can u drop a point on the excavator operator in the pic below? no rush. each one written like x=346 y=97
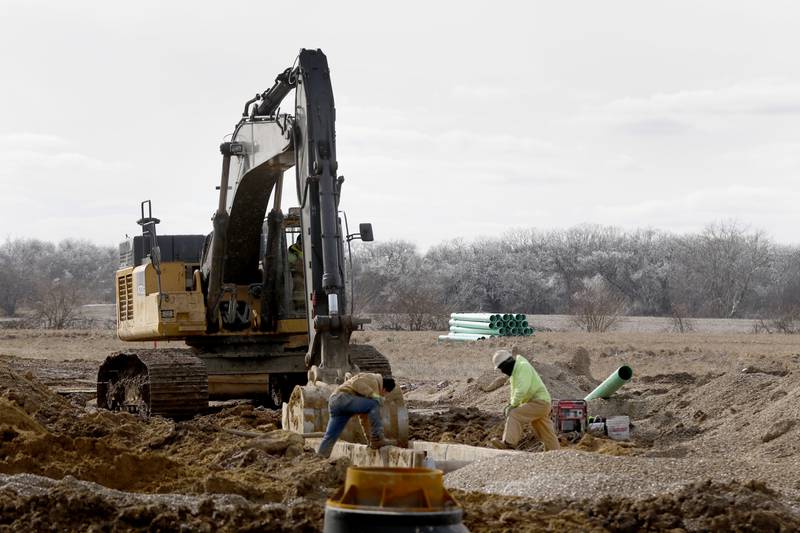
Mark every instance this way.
x=296 y=251
x=296 y=268
x=362 y=394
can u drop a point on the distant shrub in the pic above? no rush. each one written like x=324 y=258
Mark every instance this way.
x=597 y=307
x=681 y=322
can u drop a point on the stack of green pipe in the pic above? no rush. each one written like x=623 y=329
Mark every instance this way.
x=490 y=324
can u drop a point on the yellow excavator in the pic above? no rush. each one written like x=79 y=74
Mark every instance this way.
x=260 y=302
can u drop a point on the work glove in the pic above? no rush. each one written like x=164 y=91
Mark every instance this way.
x=378 y=399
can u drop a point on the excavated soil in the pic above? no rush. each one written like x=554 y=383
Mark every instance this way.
x=33 y=503
x=715 y=440
x=701 y=506
x=43 y=434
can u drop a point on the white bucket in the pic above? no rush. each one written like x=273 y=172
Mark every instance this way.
x=597 y=428
x=619 y=427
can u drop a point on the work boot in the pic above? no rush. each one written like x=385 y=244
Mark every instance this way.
x=500 y=444
x=377 y=444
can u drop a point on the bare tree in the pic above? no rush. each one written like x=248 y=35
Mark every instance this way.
x=58 y=303
x=417 y=300
x=721 y=267
x=21 y=267
x=681 y=323
x=597 y=307
x=567 y=253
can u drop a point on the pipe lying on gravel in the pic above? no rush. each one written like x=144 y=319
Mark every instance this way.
x=463 y=337
x=617 y=379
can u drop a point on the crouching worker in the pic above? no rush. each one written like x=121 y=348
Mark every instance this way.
x=361 y=394
x=529 y=404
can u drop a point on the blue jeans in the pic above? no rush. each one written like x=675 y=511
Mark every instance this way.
x=342 y=407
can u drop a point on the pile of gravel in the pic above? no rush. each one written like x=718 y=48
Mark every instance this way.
x=576 y=475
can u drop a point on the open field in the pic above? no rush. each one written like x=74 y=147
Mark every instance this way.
x=716 y=437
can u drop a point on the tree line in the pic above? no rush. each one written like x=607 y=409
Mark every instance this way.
x=725 y=271
x=47 y=282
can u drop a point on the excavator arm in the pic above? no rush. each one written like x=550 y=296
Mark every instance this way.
x=263 y=146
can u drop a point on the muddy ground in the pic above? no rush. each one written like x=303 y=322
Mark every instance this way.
x=715 y=440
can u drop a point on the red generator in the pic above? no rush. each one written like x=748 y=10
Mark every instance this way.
x=569 y=415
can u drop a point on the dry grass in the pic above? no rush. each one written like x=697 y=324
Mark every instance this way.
x=418 y=355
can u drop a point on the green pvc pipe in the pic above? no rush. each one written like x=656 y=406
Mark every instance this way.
x=487 y=331
x=508 y=316
x=617 y=379
x=519 y=317
x=522 y=324
x=471 y=324
x=476 y=317
x=528 y=332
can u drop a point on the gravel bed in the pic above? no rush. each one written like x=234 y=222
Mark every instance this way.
x=577 y=475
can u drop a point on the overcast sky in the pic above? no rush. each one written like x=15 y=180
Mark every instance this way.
x=453 y=120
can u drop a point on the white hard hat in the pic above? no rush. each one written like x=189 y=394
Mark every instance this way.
x=500 y=357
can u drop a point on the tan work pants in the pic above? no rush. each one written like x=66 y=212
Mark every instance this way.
x=537 y=413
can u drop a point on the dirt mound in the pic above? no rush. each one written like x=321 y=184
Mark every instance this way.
x=580 y=363
x=239 y=450
x=465 y=426
x=682 y=378
x=33 y=397
x=458 y=424
x=507 y=514
x=591 y=443
x=34 y=503
x=489 y=390
x=753 y=414
x=703 y=506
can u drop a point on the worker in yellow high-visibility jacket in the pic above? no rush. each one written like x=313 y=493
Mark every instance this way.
x=529 y=403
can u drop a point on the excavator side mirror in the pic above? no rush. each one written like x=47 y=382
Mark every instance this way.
x=365 y=230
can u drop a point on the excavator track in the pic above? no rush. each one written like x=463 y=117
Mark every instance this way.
x=368 y=359
x=168 y=383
